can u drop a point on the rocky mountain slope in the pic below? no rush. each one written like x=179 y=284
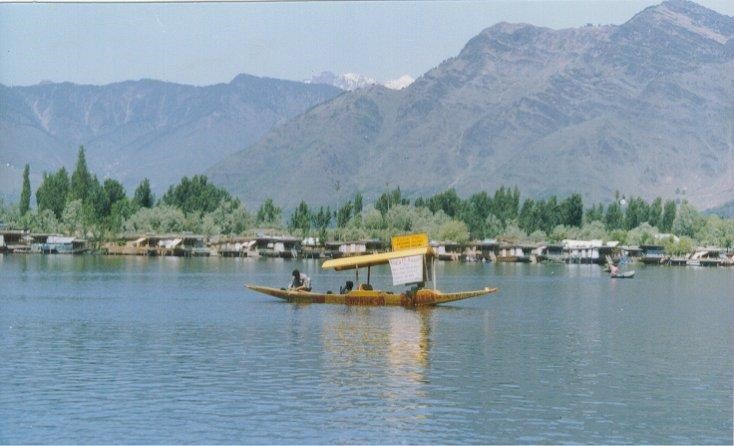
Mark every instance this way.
x=646 y=108
x=146 y=128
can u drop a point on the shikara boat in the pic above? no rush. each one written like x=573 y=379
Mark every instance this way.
x=625 y=275
x=411 y=262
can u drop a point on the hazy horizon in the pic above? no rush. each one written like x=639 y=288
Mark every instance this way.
x=210 y=43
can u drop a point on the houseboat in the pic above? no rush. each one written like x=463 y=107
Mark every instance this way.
x=337 y=249
x=514 y=253
x=448 y=251
x=653 y=255
x=57 y=244
x=278 y=246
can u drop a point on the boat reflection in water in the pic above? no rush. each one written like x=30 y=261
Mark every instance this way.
x=379 y=358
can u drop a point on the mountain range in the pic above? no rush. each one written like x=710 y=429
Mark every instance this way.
x=645 y=108
x=137 y=129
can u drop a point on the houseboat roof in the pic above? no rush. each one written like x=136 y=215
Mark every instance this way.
x=277 y=238
x=353 y=262
x=485 y=242
x=648 y=247
x=355 y=242
x=445 y=243
x=61 y=239
x=139 y=237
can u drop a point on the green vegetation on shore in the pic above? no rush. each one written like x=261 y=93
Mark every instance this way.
x=83 y=206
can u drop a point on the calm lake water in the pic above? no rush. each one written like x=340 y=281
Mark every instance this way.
x=167 y=350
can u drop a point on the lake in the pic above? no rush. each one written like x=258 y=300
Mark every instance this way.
x=97 y=349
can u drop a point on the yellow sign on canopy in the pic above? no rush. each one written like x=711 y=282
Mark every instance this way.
x=401 y=242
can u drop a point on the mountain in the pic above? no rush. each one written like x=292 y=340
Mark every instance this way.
x=646 y=107
x=145 y=128
x=726 y=210
x=353 y=81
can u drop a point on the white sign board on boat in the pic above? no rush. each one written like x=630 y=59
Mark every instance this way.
x=407 y=270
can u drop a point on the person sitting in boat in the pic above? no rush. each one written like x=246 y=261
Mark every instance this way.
x=614 y=269
x=300 y=282
x=347 y=287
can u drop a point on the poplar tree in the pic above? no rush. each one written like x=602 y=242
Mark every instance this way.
x=81 y=179
x=25 y=194
x=669 y=211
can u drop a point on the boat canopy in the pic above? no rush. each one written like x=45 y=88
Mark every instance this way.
x=353 y=262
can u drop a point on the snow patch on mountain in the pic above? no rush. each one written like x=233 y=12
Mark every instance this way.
x=399 y=83
x=353 y=81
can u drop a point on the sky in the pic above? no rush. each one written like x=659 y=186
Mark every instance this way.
x=209 y=43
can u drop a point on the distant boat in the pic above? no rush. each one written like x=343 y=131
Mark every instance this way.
x=411 y=262
x=625 y=275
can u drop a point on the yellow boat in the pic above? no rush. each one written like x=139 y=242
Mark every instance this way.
x=411 y=262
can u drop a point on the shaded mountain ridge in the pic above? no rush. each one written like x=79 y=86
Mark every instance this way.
x=645 y=107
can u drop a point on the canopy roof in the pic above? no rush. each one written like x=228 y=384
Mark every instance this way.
x=353 y=262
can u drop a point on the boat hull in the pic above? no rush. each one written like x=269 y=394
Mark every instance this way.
x=422 y=297
x=627 y=275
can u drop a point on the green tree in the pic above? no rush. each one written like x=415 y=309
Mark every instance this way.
x=344 y=214
x=669 y=211
x=43 y=221
x=506 y=203
x=231 y=217
x=81 y=179
x=614 y=218
x=96 y=205
x=73 y=219
x=143 y=195
x=321 y=220
x=493 y=226
x=688 y=222
x=448 y=201
x=120 y=211
x=268 y=214
x=25 y=194
x=595 y=213
x=683 y=246
x=644 y=234
x=512 y=234
x=373 y=220
x=528 y=218
x=636 y=213
x=301 y=218
x=389 y=199
x=195 y=195
x=549 y=215
x=114 y=192
x=593 y=231
x=560 y=232
x=358 y=203
x=655 y=212
x=53 y=192
x=160 y=219
x=572 y=211
x=474 y=212
x=401 y=218
x=453 y=230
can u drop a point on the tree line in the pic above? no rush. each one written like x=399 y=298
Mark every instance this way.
x=82 y=205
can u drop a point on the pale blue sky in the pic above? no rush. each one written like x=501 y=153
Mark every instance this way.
x=206 y=43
